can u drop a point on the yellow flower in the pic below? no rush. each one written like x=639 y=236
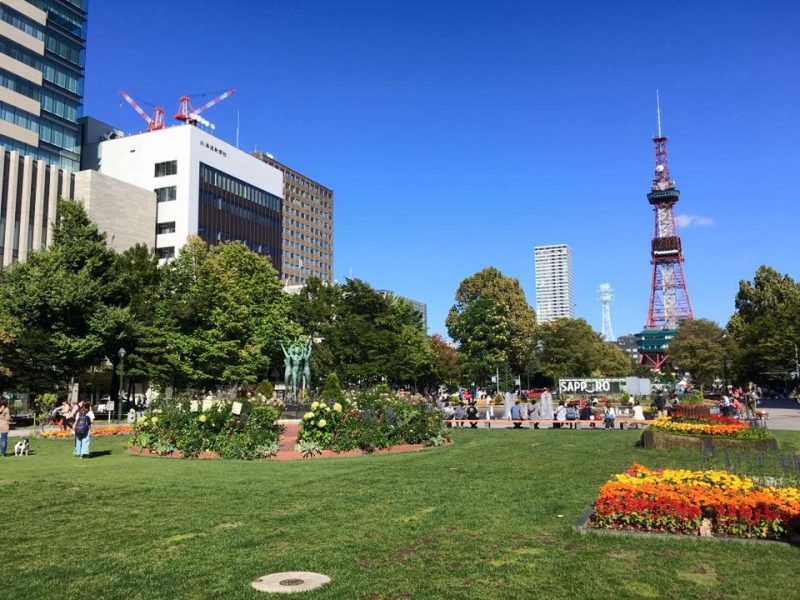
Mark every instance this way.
x=141 y=420
x=337 y=407
x=321 y=423
x=314 y=405
x=308 y=415
x=154 y=420
x=202 y=418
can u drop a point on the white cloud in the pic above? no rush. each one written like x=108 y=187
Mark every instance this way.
x=684 y=221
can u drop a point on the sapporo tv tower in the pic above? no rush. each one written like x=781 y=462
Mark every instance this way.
x=669 y=299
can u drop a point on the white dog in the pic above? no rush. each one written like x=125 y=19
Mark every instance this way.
x=21 y=447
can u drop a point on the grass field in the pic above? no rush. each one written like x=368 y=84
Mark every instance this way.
x=478 y=519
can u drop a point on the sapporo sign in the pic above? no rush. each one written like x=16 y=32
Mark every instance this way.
x=592 y=386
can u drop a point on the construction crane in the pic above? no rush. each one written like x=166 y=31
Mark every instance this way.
x=153 y=123
x=190 y=115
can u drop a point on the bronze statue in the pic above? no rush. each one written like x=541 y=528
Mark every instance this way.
x=296 y=357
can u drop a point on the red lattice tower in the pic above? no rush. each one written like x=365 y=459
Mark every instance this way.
x=669 y=298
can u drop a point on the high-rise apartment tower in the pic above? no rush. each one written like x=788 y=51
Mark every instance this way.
x=553 y=269
x=42 y=45
x=307 y=232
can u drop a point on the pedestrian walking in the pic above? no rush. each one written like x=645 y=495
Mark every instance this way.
x=5 y=425
x=83 y=430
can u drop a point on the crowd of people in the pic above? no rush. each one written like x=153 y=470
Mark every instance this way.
x=517 y=407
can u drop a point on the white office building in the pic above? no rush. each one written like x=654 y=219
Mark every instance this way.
x=203 y=186
x=553 y=270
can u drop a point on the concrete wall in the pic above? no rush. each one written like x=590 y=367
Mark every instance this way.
x=125 y=212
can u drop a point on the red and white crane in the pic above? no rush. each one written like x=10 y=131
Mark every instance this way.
x=153 y=123
x=190 y=115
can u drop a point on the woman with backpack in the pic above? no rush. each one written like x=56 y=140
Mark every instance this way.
x=83 y=429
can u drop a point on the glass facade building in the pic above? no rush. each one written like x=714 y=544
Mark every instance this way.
x=42 y=57
x=230 y=209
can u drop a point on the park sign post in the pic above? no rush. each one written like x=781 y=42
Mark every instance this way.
x=604 y=385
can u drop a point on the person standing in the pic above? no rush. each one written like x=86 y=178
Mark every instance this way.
x=5 y=425
x=83 y=430
x=547 y=404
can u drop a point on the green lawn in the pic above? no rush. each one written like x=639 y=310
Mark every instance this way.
x=477 y=519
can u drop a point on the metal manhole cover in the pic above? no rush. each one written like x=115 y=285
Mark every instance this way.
x=290 y=582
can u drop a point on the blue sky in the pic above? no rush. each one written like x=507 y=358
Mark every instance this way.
x=458 y=135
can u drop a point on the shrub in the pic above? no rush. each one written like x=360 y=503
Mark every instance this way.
x=374 y=419
x=252 y=433
x=265 y=389
x=694 y=399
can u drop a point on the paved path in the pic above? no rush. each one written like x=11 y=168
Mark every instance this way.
x=783 y=414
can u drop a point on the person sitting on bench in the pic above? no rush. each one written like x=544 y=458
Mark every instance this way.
x=516 y=415
x=560 y=416
x=472 y=415
x=586 y=414
x=460 y=414
x=534 y=414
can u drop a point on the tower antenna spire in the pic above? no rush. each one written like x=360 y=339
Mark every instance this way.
x=658 y=112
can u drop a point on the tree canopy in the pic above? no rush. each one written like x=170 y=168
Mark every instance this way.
x=699 y=348
x=492 y=324
x=571 y=348
x=765 y=327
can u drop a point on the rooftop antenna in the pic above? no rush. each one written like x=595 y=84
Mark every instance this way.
x=658 y=112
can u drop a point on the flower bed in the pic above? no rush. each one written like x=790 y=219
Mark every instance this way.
x=374 y=419
x=709 y=425
x=97 y=431
x=241 y=428
x=678 y=501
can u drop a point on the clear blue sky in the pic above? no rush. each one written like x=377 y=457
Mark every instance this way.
x=459 y=135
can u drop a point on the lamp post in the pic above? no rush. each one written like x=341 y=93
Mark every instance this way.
x=724 y=363
x=121 y=375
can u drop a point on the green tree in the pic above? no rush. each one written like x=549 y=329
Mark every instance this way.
x=314 y=309
x=62 y=307
x=699 y=348
x=224 y=313
x=765 y=327
x=571 y=348
x=492 y=324
x=365 y=337
x=446 y=368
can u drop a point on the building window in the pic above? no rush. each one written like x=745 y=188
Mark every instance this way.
x=165 y=228
x=166 y=253
x=166 y=194
x=166 y=168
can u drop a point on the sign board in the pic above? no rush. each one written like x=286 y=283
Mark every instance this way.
x=609 y=385
x=636 y=386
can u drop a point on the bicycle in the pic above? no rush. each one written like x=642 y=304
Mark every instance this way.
x=54 y=423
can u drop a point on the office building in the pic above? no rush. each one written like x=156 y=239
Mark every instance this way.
x=29 y=195
x=307 y=232
x=420 y=307
x=553 y=271
x=203 y=186
x=628 y=344
x=42 y=46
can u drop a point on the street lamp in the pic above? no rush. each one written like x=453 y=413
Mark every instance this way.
x=121 y=375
